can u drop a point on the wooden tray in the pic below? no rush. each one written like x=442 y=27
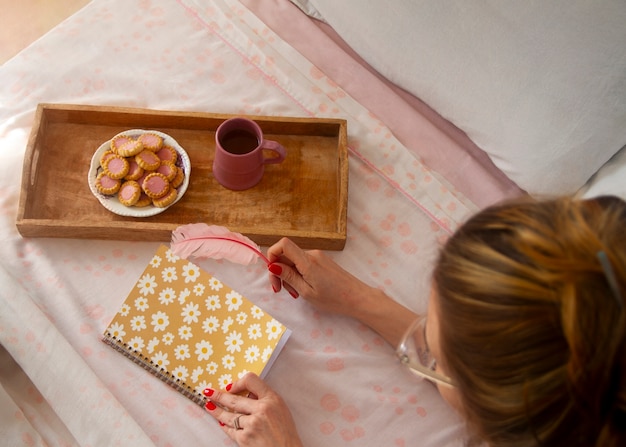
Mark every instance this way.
x=304 y=198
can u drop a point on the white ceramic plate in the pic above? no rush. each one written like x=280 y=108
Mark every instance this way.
x=111 y=202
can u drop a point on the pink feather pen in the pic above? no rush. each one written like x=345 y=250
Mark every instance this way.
x=212 y=241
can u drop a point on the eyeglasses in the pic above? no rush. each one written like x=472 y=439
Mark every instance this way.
x=414 y=353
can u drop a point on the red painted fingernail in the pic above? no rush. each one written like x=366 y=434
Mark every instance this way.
x=222 y=424
x=275 y=269
x=210 y=406
x=208 y=392
x=229 y=386
x=274 y=289
x=293 y=294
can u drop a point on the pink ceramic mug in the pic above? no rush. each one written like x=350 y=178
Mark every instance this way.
x=239 y=153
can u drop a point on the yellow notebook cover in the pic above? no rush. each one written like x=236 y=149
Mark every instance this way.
x=191 y=330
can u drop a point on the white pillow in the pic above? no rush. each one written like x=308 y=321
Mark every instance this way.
x=609 y=180
x=540 y=86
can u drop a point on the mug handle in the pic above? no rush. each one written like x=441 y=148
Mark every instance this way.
x=277 y=148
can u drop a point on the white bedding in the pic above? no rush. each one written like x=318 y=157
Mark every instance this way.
x=60 y=385
x=539 y=86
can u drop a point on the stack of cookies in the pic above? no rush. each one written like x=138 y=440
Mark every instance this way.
x=141 y=170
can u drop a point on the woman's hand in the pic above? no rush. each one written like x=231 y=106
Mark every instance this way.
x=315 y=277
x=260 y=420
x=319 y=280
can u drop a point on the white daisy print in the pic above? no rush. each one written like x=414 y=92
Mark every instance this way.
x=182 y=352
x=185 y=333
x=203 y=385
x=124 y=310
x=180 y=372
x=190 y=313
x=171 y=257
x=138 y=323
x=146 y=284
x=152 y=344
x=233 y=300
x=204 y=350
x=241 y=318
x=211 y=368
x=228 y=362
x=167 y=295
x=252 y=354
x=160 y=321
x=254 y=331
x=168 y=338
x=117 y=330
x=267 y=352
x=211 y=324
x=224 y=380
x=272 y=329
x=141 y=304
x=160 y=359
x=190 y=272
x=169 y=274
x=226 y=324
x=213 y=302
x=233 y=342
x=198 y=289
x=215 y=284
x=195 y=375
x=183 y=295
x=242 y=373
x=256 y=312
x=155 y=262
x=136 y=343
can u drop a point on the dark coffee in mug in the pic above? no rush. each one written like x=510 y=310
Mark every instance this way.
x=239 y=141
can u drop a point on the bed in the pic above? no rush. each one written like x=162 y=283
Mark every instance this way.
x=432 y=138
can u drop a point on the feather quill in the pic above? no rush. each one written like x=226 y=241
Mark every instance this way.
x=212 y=241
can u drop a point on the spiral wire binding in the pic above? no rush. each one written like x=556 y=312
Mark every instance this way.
x=154 y=369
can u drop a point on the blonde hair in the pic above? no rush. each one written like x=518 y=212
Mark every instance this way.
x=530 y=329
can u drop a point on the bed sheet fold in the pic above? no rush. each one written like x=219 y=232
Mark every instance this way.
x=342 y=382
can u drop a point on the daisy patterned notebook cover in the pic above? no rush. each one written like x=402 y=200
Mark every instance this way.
x=192 y=331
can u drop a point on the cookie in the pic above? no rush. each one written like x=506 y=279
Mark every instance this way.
x=151 y=141
x=118 y=141
x=148 y=160
x=130 y=148
x=143 y=201
x=135 y=172
x=168 y=169
x=155 y=185
x=107 y=185
x=115 y=166
x=166 y=200
x=129 y=193
x=168 y=153
x=179 y=178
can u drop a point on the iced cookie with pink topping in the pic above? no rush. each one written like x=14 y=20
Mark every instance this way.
x=120 y=140
x=166 y=200
x=148 y=160
x=135 y=172
x=115 y=166
x=168 y=153
x=179 y=178
x=130 y=148
x=151 y=141
x=106 y=185
x=155 y=185
x=168 y=169
x=129 y=193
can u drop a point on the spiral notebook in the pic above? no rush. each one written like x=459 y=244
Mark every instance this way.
x=191 y=330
